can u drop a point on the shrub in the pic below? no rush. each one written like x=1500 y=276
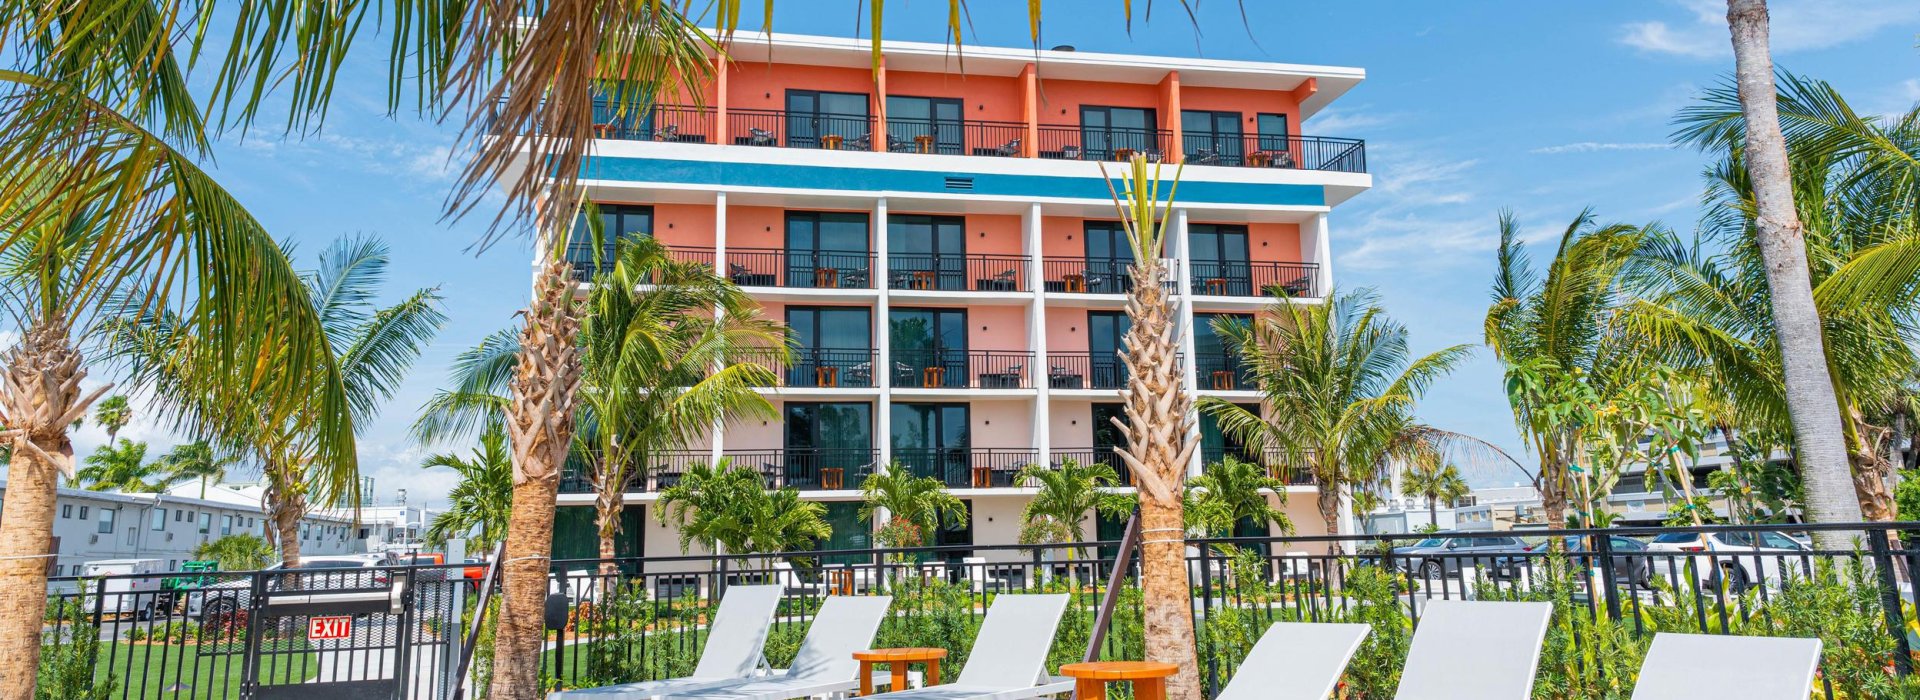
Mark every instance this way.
x=66 y=657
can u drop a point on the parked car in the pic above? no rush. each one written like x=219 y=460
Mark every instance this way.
x=1630 y=561
x=319 y=572
x=1739 y=559
x=1444 y=553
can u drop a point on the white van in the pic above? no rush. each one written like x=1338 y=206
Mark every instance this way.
x=125 y=586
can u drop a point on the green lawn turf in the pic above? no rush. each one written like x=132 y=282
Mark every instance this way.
x=147 y=671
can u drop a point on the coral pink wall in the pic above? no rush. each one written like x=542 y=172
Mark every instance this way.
x=1060 y=236
x=992 y=98
x=1002 y=424
x=996 y=328
x=684 y=225
x=1274 y=242
x=758 y=85
x=1066 y=330
x=1003 y=236
x=1069 y=95
x=750 y=434
x=1246 y=102
x=1070 y=423
x=756 y=227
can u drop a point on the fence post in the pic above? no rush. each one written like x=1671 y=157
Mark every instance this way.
x=1603 y=547
x=1033 y=573
x=1890 y=600
x=720 y=586
x=1206 y=613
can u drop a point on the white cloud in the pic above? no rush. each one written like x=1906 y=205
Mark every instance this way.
x=1797 y=25
x=1596 y=146
x=1338 y=121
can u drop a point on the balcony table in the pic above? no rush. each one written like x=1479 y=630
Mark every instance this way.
x=832 y=142
x=1076 y=283
x=1149 y=678
x=1123 y=154
x=1222 y=380
x=826 y=376
x=826 y=278
x=832 y=478
x=1217 y=286
x=923 y=143
x=1259 y=159
x=899 y=659
x=933 y=377
x=982 y=477
x=923 y=279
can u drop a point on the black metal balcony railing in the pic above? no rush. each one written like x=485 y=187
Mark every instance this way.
x=962 y=369
x=804 y=269
x=1291 y=152
x=1092 y=455
x=1274 y=462
x=1254 y=279
x=1061 y=142
x=811 y=468
x=952 y=273
x=775 y=128
x=827 y=367
x=1087 y=275
x=1085 y=370
x=967 y=467
x=1221 y=371
x=666 y=470
x=948 y=137
x=584 y=269
x=672 y=123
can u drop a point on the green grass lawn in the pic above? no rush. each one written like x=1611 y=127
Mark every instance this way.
x=152 y=671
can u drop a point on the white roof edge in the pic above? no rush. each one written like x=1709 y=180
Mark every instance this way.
x=890 y=46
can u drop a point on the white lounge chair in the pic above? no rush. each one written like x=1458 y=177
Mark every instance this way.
x=1475 y=649
x=735 y=642
x=844 y=625
x=1705 y=666
x=1009 y=657
x=1295 y=661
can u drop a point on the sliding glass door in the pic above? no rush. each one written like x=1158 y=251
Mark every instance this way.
x=827 y=119
x=828 y=250
x=933 y=439
x=929 y=347
x=927 y=252
x=925 y=125
x=829 y=445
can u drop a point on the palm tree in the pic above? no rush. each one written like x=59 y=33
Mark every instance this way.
x=1819 y=438
x=1066 y=497
x=1231 y=491
x=1434 y=480
x=481 y=503
x=1157 y=435
x=1339 y=385
x=196 y=460
x=122 y=467
x=730 y=510
x=113 y=413
x=914 y=505
x=374 y=347
x=246 y=552
x=1559 y=339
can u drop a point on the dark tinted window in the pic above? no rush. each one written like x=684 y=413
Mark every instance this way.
x=1677 y=537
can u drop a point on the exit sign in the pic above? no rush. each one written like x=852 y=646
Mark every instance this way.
x=319 y=628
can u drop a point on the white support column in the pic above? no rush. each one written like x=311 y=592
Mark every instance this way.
x=1182 y=285
x=1037 y=336
x=1320 y=253
x=882 y=341
x=719 y=268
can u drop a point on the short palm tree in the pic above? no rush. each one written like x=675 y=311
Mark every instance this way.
x=1434 y=480
x=196 y=461
x=113 y=413
x=478 y=506
x=1067 y=497
x=915 y=505
x=730 y=510
x=1231 y=491
x=1339 y=385
x=374 y=347
x=122 y=467
x=246 y=552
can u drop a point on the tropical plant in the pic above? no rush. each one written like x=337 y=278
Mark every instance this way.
x=1066 y=497
x=915 y=505
x=1231 y=491
x=1557 y=336
x=124 y=468
x=1433 y=479
x=730 y=510
x=113 y=413
x=478 y=507
x=1339 y=388
x=196 y=460
x=244 y=552
x=1810 y=389
x=1157 y=438
x=373 y=348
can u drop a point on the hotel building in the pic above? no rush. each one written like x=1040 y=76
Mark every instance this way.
x=946 y=253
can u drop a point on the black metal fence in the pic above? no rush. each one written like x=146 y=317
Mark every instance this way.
x=804 y=269
x=1254 y=278
x=968 y=467
x=1059 y=142
x=940 y=368
x=1288 y=152
x=957 y=272
x=781 y=129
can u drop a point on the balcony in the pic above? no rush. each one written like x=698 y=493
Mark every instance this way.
x=583 y=269
x=826 y=368
x=1079 y=275
x=968 y=467
x=667 y=123
x=955 y=138
x=1085 y=370
x=962 y=369
x=1092 y=455
x=1273 y=460
x=1254 y=279
x=957 y=273
x=1284 y=152
x=668 y=468
x=800 y=269
x=778 y=129
x=810 y=468
x=1221 y=371
x=1112 y=143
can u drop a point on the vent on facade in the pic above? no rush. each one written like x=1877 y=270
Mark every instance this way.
x=93 y=539
x=169 y=537
x=960 y=183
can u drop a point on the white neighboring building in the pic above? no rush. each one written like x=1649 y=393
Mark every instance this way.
x=94 y=525
x=396 y=527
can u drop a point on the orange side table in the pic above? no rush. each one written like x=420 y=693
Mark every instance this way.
x=1149 y=678
x=898 y=659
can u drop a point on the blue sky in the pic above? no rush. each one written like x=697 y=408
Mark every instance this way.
x=1544 y=108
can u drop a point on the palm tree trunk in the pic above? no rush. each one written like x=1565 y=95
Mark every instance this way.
x=1811 y=402
x=606 y=511
x=1553 y=490
x=1433 y=511
x=540 y=425
x=40 y=398
x=284 y=507
x=1157 y=450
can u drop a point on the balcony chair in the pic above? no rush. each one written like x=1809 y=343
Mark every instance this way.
x=824 y=664
x=1002 y=281
x=1475 y=649
x=1070 y=152
x=1204 y=156
x=1009 y=658
x=1008 y=149
x=670 y=132
x=733 y=652
x=1689 y=666
x=761 y=137
x=1296 y=661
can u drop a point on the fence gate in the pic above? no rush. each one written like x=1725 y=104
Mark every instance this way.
x=347 y=635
